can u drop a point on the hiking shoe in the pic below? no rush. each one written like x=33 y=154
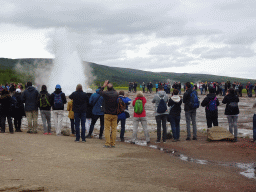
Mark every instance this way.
x=178 y=139
x=72 y=135
x=29 y=131
x=122 y=139
x=106 y=146
x=164 y=141
x=35 y=132
x=235 y=139
x=113 y=146
x=157 y=141
x=84 y=141
x=45 y=133
x=18 y=130
x=11 y=132
x=148 y=142
x=100 y=137
x=194 y=138
x=132 y=142
x=188 y=139
x=77 y=141
x=175 y=140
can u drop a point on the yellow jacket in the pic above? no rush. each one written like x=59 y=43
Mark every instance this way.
x=71 y=114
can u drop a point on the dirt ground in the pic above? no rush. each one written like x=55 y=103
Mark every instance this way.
x=57 y=163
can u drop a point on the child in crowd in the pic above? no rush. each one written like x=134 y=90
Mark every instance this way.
x=71 y=116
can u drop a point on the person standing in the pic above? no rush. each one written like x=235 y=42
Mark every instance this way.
x=110 y=113
x=80 y=100
x=96 y=100
x=190 y=100
x=135 y=87
x=211 y=104
x=6 y=102
x=71 y=116
x=143 y=87
x=139 y=116
x=160 y=99
x=175 y=109
x=18 y=110
x=44 y=104
x=29 y=97
x=122 y=116
x=58 y=99
x=232 y=110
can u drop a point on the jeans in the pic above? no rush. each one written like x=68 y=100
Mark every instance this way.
x=122 y=127
x=32 y=117
x=72 y=122
x=191 y=115
x=224 y=92
x=175 y=124
x=110 y=121
x=143 y=121
x=161 y=119
x=212 y=120
x=254 y=127
x=9 y=119
x=58 y=117
x=232 y=121
x=46 y=116
x=17 y=123
x=201 y=91
x=94 y=120
x=80 y=117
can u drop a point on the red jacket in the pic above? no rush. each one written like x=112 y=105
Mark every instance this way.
x=144 y=101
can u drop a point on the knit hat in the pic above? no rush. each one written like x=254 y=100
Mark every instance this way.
x=18 y=91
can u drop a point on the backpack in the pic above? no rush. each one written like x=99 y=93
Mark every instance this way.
x=44 y=100
x=120 y=106
x=138 y=107
x=15 y=103
x=212 y=106
x=58 y=103
x=237 y=87
x=194 y=102
x=233 y=106
x=162 y=107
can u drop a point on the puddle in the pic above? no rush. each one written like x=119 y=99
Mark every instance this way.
x=249 y=169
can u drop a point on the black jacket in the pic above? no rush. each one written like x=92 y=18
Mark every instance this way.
x=18 y=108
x=6 y=102
x=110 y=101
x=227 y=100
x=205 y=103
x=38 y=100
x=80 y=101
x=63 y=97
x=175 y=104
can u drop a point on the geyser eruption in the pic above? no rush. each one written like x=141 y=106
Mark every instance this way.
x=68 y=69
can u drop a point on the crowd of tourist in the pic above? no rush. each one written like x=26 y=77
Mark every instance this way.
x=111 y=108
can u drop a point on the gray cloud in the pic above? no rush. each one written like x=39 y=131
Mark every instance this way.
x=106 y=31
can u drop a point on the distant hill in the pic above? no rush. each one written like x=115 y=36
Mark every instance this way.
x=121 y=76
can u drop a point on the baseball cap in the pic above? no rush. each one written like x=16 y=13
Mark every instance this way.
x=58 y=86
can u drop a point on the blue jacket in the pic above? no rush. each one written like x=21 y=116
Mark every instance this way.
x=96 y=106
x=29 y=97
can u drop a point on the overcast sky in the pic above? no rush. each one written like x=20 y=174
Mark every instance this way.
x=193 y=36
